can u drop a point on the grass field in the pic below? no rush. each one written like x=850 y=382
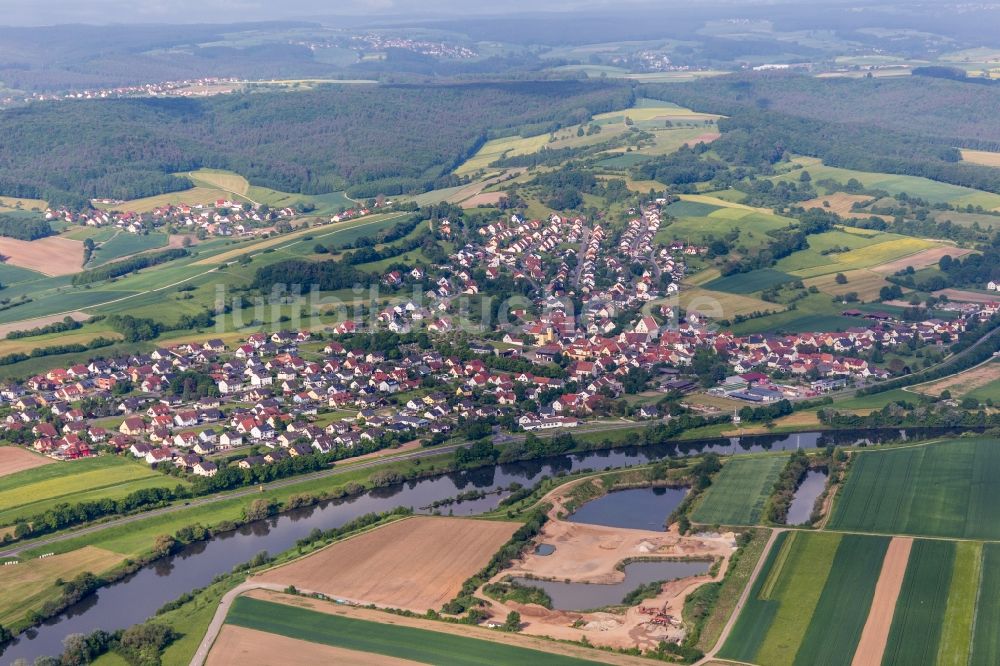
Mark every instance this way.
x=865 y=283
x=810 y=601
x=945 y=489
x=723 y=305
x=124 y=244
x=383 y=639
x=986 y=638
x=920 y=608
x=32 y=491
x=27 y=585
x=960 y=612
x=931 y=190
x=747 y=283
x=810 y=263
x=739 y=491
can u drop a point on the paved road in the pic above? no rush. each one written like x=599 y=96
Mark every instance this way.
x=16 y=550
x=710 y=655
x=201 y=654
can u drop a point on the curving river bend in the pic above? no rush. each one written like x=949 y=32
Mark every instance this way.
x=137 y=597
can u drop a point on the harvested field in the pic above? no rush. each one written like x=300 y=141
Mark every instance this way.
x=981 y=157
x=866 y=283
x=928 y=257
x=840 y=203
x=15 y=459
x=875 y=635
x=28 y=324
x=239 y=646
x=965 y=296
x=484 y=199
x=27 y=585
x=418 y=563
x=964 y=382
x=53 y=255
x=707 y=137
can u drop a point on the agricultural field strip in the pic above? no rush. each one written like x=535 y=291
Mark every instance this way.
x=880 y=493
x=388 y=639
x=920 y=608
x=739 y=492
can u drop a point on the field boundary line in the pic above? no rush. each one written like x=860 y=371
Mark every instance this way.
x=744 y=597
x=226 y=602
x=975 y=611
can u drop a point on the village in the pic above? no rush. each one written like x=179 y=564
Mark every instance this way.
x=290 y=394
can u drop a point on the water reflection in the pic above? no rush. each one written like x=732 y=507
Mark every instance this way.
x=137 y=597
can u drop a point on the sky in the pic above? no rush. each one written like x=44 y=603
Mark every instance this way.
x=52 y=12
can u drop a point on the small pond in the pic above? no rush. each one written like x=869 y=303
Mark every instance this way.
x=809 y=489
x=544 y=549
x=585 y=596
x=639 y=508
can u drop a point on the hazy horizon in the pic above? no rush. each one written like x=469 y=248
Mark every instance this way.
x=35 y=13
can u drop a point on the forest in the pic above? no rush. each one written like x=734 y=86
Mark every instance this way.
x=24 y=227
x=371 y=139
x=770 y=115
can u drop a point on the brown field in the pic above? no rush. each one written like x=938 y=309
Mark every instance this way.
x=922 y=259
x=707 y=137
x=964 y=382
x=863 y=281
x=967 y=296
x=840 y=203
x=27 y=585
x=418 y=563
x=876 y=632
x=981 y=157
x=14 y=459
x=239 y=646
x=484 y=199
x=53 y=255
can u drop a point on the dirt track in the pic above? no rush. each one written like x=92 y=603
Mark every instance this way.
x=417 y=564
x=876 y=632
x=13 y=459
x=239 y=646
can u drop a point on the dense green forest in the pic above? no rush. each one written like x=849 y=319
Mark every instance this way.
x=931 y=107
x=384 y=139
x=24 y=227
x=909 y=127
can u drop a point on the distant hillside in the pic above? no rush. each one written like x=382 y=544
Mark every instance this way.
x=908 y=126
x=386 y=139
x=934 y=107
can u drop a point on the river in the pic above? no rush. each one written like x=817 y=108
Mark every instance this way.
x=137 y=597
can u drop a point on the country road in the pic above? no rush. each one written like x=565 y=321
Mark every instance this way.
x=342 y=468
x=710 y=655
